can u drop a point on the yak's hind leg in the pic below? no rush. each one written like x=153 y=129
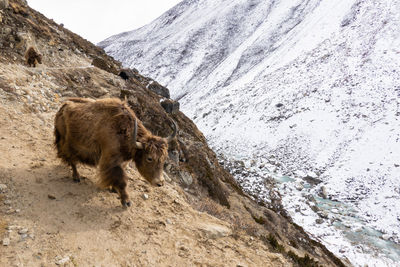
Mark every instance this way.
x=63 y=149
x=75 y=175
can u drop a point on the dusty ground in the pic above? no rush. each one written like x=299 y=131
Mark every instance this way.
x=50 y=220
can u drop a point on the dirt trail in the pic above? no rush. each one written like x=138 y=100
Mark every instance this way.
x=86 y=226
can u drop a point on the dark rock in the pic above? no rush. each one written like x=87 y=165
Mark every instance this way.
x=311 y=198
x=314 y=208
x=323 y=214
x=312 y=180
x=170 y=106
x=279 y=105
x=174 y=156
x=159 y=89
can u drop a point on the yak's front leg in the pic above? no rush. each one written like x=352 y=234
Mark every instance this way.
x=120 y=183
x=115 y=177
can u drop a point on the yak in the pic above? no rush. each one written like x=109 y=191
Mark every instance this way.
x=107 y=133
x=32 y=57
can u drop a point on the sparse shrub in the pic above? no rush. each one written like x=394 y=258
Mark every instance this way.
x=293 y=243
x=212 y=208
x=240 y=226
x=259 y=220
x=305 y=261
x=273 y=242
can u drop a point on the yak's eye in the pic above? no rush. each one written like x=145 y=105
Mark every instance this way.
x=149 y=159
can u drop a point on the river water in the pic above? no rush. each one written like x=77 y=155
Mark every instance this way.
x=335 y=224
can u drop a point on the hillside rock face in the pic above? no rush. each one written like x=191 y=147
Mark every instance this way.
x=289 y=88
x=200 y=217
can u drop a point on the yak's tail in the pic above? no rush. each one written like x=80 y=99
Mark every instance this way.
x=57 y=137
x=59 y=122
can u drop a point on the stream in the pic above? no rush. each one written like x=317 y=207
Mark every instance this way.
x=335 y=224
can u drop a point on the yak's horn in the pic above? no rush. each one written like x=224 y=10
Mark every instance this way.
x=138 y=145
x=172 y=136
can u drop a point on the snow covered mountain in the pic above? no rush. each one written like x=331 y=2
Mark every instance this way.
x=311 y=86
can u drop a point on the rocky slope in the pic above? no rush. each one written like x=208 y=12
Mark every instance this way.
x=297 y=91
x=199 y=218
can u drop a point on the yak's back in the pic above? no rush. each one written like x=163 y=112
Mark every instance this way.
x=98 y=119
x=99 y=109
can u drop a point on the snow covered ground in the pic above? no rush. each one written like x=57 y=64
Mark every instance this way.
x=299 y=87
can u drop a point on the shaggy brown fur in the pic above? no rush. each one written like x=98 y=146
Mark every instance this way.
x=100 y=132
x=32 y=57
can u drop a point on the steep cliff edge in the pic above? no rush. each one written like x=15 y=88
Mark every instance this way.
x=201 y=217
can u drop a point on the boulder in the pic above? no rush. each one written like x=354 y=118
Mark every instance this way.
x=186 y=178
x=170 y=106
x=214 y=231
x=158 y=89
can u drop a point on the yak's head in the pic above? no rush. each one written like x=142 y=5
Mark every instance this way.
x=150 y=156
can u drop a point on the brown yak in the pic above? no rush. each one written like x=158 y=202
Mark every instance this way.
x=106 y=132
x=32 y=57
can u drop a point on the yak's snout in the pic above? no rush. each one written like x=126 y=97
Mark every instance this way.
x=159 y=181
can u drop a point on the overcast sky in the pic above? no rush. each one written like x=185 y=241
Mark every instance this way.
x=96 y=20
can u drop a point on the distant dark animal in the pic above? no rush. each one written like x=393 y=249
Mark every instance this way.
x=106 y=132
x=32 y=57
x=126 y=74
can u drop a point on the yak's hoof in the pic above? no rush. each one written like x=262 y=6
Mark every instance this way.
x=113 y=190
x=126 y=204
x=77 y=180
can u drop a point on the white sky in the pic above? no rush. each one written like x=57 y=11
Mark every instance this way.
x=97 y=20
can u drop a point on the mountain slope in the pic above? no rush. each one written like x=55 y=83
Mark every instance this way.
x=200 y=217
x=310 y=86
